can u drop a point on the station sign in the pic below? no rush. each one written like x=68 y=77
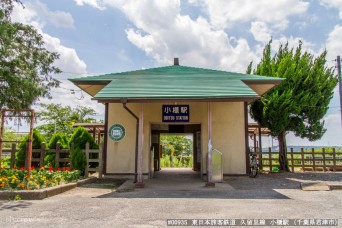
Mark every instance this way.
x=117 y=132
x=175 y=113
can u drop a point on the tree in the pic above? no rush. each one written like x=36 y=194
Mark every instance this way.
x=82 y=115
x=60 y=118
x=300 y=102
x=10 y=135
x=20 y=155
x=56 y=118
x=176 y=143
x=25 y=65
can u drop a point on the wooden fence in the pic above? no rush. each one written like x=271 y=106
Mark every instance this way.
x=62 y=156
x=303 y=160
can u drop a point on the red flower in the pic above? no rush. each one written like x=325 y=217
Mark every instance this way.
x=32 y=167
x=50 y=169
x=22 y=168
x=67 y=168
x=14 y=167
x=58 y=169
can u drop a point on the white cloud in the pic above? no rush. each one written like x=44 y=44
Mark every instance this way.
x=334 y=44
x=68 y=61
x=293 y=43
x=333 y=4
x=163 y=33
x=93 y=3
x=31 y=14
x=260 y=31
x=223 y=13
x=37 y=14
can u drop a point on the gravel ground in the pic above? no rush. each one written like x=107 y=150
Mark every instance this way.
x=269 y=196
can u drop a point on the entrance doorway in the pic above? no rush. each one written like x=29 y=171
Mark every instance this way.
x=177 y=150
x=167 y=153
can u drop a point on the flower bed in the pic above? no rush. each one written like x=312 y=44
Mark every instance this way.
x=16 y=179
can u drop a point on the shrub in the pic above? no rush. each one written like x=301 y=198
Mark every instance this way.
x=20 y=155
x=78 y=159
x=50 y=160
x=6 y=162
x=80 y=137
x=61 y=138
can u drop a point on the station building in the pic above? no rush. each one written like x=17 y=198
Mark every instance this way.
x=209 y=104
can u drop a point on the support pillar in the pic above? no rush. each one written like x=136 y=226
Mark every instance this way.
x=140 y=183
x=210 y=183
x=260 y=147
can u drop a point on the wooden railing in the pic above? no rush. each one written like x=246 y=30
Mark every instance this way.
x=303 y=160
x=61 y=156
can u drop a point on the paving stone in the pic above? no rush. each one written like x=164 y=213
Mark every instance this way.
x=315 y=186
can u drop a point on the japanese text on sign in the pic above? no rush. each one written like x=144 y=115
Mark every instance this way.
x=175 y=113
x=253 y=222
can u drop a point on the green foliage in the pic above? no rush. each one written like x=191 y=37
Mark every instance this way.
x=80 y=137
x=61 y=138
x=9 y=135
x=82 y=115
x=300 y=102
x=37 y=140
x=15 y=179
x=59 y=119
x=177 y=162
x=6 y=162
x=26 y=67
x=50 y=160
x=78 y=160
x=176 y=143
x=56 y=118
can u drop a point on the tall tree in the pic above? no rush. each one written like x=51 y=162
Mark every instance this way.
x=83 y=114
x=300 y=102
x=26 y=67
x=58 y=118
x=177 y=143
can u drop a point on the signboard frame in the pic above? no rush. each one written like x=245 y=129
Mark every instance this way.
x=175 y=113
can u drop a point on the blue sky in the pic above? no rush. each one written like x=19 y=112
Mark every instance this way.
x=104 y=36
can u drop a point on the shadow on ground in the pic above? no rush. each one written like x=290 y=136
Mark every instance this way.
x=14 y=205
x=187 y=184
x=105 y=184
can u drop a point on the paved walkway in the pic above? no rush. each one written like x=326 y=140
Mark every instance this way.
x=175 y=179
x=273 y=196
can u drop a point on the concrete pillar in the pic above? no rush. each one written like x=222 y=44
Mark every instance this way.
x=209 y=183
x=139 y=183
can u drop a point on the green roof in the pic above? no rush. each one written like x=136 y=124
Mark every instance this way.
x=174 y=82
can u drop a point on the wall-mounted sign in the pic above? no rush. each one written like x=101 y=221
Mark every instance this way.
x=176 y=113
x=116 y=132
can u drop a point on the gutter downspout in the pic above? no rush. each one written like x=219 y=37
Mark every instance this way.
x=124 y=101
